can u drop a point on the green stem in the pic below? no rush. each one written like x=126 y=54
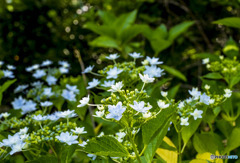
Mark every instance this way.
x=142 y=87
x=179 y=148
x=53 y=150
x=134 y=146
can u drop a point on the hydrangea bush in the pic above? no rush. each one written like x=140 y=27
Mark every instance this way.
x=52 y=118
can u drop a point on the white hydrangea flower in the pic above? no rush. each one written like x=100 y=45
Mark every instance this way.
x=195 y=93
x=79 y=130
x=117 y=87
x=197 y=114
x=66 y=114
x=17 y=147
x=153 y=71
x=164 y=94
x=184 y=121
x=154 y=61
x=64 y=63
x=5 y=115
x=146 y=79
x=99 y=113
x=11 y=67
x=135 y=55
x=162 y=104
x=83 y=144
x=112 y=56
x=66 y=137
x=140 y=107
x=204 y=99
x=84 y=101
x=88 y=69
x=93 y=83
x=46 y=63
x=228 y=93
x=116 y=111
x=205 y=61
x=113 y=73
x=108 y=83
x=147 y=114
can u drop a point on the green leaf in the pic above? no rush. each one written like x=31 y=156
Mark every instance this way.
x=104 y=41
x=4 y=87
x=212 y=57
x=107 y=17
x=67 y=152
x=131 y=32
x=124 y=21
x=173 y=91
x=174 y=72
x=151 y=129
x=44 y=159
x=188 y=131
x=156 y=142
x=234 y=80
x=159 y=44
x=106 y=146
x=230 y=21
x=207 y=142
x=101 y=30
x=225 y=127
x=213 y=75
x=179 y=29
x=233 y=141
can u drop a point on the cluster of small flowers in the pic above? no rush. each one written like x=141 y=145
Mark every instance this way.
x=224 y=65
x=126 y=71
x=8 y=72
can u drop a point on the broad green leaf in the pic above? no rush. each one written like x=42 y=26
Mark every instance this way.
x=106 y=146
x=225 y=127
x=230 y=21
x=101 y=30
x=156 y=141
x=207 y=142
x=159 y=44
x=174 y=72
x=179 y=29
x=188 y=131
x=67 y=152
x=213 y=75
x=233 y=141
x=104 y=41
x=160 y=32
x=124 y=21
x=173 y=91
x=234 y=80
x=131 y=32
x=107 y=17
x=4 y=87
x=44 y=159
x=151 y=129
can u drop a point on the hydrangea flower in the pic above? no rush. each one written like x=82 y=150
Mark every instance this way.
x=146 y=79
x=66 y=114
x=64 y=63
x=181 y=105
x=113 y=73
x=228 y=93
x=154 y=61
x=1 y=63
x=93 y=83
x=99 y=113
x=162 y=104
x=79 y=130
x=39 y=74
x=18 y=102
x=88 y=69
x=153 y=71
x=116 y=111
x=37 y=84
x=117 y=87
x=147 y=114
x=11 y=67
x=63 y=70
x=68 y=95
x=92 y=156
x=47 y=92
x=84 y=101
x=17 y=147
x=108 y=83
x=66 y=137
x=112 y=56
x=140 y=107
x=51 y=80
x=46 y=63
x=53 y=117
x=84 y=143
x=197 y=114
x=135 y=55
x=72 y=88
x=5 y=115
x=204 y=99
x=29 y=106
x=164 y=94
x=205 y=61
x=195 y=93
x=8 y=74
x=46 y=104
x=20 y=88
x=184 y=121
x=39 y=117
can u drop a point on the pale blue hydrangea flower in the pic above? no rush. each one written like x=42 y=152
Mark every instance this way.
x=88 y=69
x=112 y=56
x=116 y=111
x=153 y=71
x=113 y=73
x=92 y=156
x=135 y=55
x=153 y=61
x=66 y=137
x=63 y=70
x=39 y=117
x=84 y=101
x=18 y=103
x=117 y=87
x=29 y=106
x=66 y=114
x=17 y=147
x=46 y=104
x=11 y=67
x=140 y=107
x=20 y=88
x=108 y=83
x=39 y=74
x=48 y=92
x=64 y=63
x=37 y=84
x=8 y=74
x=72 y=88
x=204 y=99
x=79 y=130
x=68 y=95
x=93 y=83
x=51 y=80
x=46 y=63
x=195 y=93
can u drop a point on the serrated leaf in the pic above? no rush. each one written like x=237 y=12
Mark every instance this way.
x=179 y=29
x=230 y=21
x=174 y=72
x=106 y=146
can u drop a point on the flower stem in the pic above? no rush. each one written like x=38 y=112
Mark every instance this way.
x=179 y=148
x=134 y=146
x=142 y=87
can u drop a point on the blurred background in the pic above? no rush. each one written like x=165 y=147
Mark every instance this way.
x=33 y=31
